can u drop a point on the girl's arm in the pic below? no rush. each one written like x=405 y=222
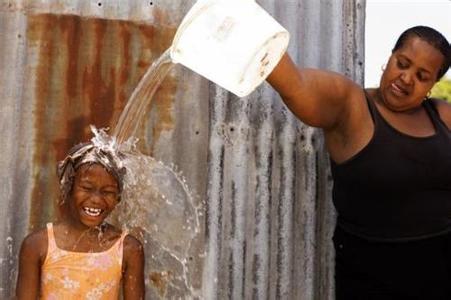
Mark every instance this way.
x=318 y=98
x=30 y=258
x=133 y=281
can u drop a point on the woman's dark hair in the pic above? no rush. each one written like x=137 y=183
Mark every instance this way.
x=432 y=37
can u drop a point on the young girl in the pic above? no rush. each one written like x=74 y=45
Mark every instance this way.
x=83 y=257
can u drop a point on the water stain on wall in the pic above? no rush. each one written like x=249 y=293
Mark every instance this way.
x=86 y=70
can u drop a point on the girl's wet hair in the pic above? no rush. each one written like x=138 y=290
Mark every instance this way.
x=432 y=37
x=89 y=153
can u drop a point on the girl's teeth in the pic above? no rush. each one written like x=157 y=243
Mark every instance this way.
x=94 y=212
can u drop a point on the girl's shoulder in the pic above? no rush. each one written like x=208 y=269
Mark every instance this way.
x=36 y=238
x=133 y=255
x=36 y=243
x=133 y=249
x=132 y=244
x=129 y=239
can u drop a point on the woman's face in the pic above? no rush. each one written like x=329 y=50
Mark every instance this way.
x=410 y=74
x=95 y=193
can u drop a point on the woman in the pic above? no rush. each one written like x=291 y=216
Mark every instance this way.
x=390 y=149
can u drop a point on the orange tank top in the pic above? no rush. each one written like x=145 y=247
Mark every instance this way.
x=79 y=275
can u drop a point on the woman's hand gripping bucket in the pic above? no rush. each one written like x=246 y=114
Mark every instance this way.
x=234 y=43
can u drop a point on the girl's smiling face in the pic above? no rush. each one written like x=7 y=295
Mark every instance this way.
x=410 y=74
x=94 y=195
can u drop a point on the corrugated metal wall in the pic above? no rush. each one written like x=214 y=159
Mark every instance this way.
x=261 y=177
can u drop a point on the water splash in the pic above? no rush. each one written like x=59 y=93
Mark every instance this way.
x=158 y=200
x=132 y=115
x=157 y=204
x=158 y=207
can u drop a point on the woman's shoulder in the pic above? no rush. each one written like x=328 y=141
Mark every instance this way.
x=444 y=110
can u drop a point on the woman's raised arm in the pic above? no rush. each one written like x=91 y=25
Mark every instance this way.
x=318 y=98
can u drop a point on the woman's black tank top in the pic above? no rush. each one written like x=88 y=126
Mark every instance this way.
x=398 y=187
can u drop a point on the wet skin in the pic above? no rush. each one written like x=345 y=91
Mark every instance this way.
x=95 y=194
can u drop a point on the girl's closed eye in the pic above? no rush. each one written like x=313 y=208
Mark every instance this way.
x=86 y=188
x=109 y=194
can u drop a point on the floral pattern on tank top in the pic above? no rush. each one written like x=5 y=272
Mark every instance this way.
x=77 y=275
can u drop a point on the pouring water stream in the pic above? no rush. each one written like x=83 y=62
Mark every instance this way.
x=132 y=115
x=157 y=202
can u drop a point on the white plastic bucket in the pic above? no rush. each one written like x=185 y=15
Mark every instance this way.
x=234 y=43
